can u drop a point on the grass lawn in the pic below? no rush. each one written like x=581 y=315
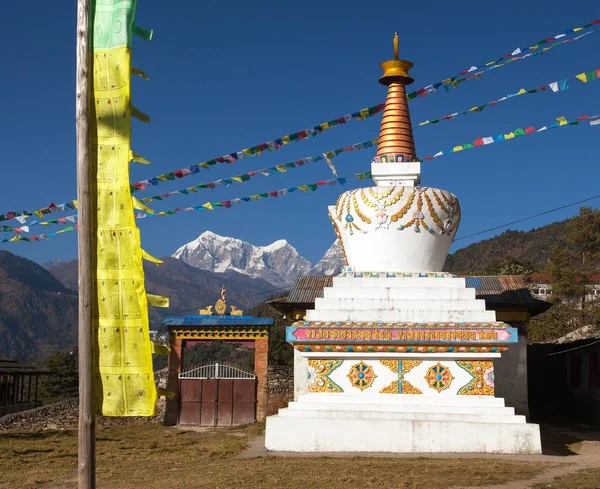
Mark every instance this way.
x=586 y=479
x=155 y=457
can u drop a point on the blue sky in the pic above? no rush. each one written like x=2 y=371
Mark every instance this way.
x=228 y=75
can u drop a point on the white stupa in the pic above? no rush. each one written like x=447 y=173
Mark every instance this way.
x=398 y=356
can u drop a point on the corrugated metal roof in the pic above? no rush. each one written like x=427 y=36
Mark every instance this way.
x=507 y=289
x=216 y=321
x=308 y=288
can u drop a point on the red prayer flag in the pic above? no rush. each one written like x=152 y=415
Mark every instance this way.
x=322 y=182
x=529 y=130
x=178 y=173
x=226 y=203
x=478 y=142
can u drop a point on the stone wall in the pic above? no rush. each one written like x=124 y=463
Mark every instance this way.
x=281 y=387
x=64 y=415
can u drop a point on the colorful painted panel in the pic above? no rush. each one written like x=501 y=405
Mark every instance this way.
x=318 y=375
x=419 y=335
x=401 y=376
x=482 y=383
x=401 y=368
x=438 y=377
x=361 y=375
x=397 y=348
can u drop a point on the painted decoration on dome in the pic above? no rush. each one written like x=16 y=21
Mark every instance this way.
x=361 y=376
x=439 y=377
x=421 y=209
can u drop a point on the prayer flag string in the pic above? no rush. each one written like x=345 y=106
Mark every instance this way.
x=209 y=206
x=276 y=144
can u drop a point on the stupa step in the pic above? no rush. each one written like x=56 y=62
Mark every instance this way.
x=400 y=408
x=399 y=292
x=424 y=304
x=400 y=400
x=396 y=315
x=446 y=282
x=313 y=434
x=421 y=415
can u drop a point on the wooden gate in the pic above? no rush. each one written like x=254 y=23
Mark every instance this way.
x=217 y=395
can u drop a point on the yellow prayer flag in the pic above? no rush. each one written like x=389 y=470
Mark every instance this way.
x=208 y=206
x=582 y=77
x=148 y=257
x=133 y=156
x=561 y=120
x=510 y=135
x=281 y=168
x=140 y=206
x=285 y=139
x=456 y=149
x=158 y=300
x=522 y=91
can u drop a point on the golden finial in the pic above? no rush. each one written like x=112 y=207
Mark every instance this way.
x=396 y=69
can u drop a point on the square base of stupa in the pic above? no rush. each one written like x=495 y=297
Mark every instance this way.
x=399 y=363
x=324 y=423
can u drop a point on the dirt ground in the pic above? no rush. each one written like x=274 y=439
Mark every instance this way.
x=151 y=457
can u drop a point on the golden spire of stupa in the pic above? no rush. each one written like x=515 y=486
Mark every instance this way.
x=395 y=135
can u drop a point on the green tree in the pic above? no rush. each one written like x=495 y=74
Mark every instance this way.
x=64 y=381
x=280 y=352
x=575 y=258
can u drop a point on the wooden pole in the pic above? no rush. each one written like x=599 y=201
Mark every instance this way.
x=86 y=476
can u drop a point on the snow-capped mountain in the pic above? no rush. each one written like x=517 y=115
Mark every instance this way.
x=278 y=263
x=332 y=261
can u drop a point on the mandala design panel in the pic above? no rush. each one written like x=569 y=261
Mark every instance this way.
x=400 y=386
x=482 y=382
x=322 y=370
x=361 y=375
x=439 y=377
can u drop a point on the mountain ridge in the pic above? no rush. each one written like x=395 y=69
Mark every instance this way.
x=279 y=263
